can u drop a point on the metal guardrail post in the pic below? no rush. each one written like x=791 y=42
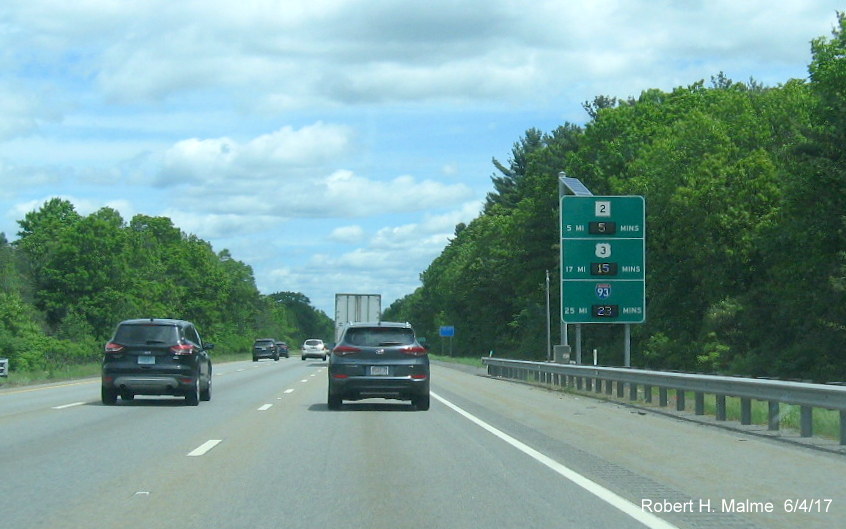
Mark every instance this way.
x=773 y=415
x=721 y=407
x=699 y=404
x=843 y=427
x=806 y=421
x=745 y=411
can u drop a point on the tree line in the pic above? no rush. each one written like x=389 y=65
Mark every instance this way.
x=745 y=191
x=69 y=279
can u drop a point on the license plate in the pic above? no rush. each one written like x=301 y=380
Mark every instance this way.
x=379 y=371
x=146 y=360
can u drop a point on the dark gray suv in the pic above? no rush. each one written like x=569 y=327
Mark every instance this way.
x=379 y=360
x=265 y=348
x=156 y=357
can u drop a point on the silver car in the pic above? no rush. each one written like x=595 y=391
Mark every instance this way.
x=314 y=348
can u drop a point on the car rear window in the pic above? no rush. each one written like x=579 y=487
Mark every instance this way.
x=313 y=342
x=146 y=334
x=376 y=336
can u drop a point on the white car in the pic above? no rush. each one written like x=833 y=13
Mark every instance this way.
x=313 y=348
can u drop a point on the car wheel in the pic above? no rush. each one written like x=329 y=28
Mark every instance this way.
x=275 y=358
x=127 y=396
x=205 y=394
x=302 y=357
x=334 y=401
x=421 y=402
x=108 y=396
x=192 y=398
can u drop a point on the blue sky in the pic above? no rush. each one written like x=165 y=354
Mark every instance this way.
x=333 y=145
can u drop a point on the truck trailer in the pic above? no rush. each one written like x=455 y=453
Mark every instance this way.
x=356 y=308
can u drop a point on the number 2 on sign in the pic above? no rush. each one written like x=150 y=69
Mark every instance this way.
x=602 y=208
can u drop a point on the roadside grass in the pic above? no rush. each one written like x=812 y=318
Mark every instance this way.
x=469 y=361
x=45 y=376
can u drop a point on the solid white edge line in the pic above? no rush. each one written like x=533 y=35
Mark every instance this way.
x=204 y=448
x=620 y=503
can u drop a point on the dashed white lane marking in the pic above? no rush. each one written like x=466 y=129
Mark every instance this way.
x=304 y=380
x=624 y=505
x=204 y=448
x=71 y=405
x=265 y=407
x=289 y=391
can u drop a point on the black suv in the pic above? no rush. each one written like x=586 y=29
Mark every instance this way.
x=265 y=348
x=381 y=360
x=156 y=357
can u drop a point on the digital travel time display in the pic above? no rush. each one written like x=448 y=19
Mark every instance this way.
x=602 y=228
x=605 y=311
x=603 y=269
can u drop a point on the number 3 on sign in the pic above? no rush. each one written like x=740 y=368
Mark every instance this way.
x=603 y=249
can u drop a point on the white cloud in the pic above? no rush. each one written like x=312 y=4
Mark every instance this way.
x=347 y=234
x=217 y=226
x=23 y=108
x=267 y=156
x=359 y=196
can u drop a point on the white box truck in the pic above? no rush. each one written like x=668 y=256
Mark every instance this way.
x=354 y=308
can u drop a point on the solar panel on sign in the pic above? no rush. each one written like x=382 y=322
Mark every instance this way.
x=575 y=186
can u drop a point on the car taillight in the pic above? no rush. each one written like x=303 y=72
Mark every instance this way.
x=114 y=348
x=414 y=350
x=182 y=349
x=344 y=350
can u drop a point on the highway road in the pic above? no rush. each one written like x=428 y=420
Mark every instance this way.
x=266 y=452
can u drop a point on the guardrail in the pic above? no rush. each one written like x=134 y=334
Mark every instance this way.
x=640 y=385
x=4 y=367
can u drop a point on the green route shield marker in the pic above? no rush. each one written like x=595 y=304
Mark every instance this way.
x=603 y=265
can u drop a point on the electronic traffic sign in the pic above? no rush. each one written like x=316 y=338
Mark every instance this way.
x=603 y=266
